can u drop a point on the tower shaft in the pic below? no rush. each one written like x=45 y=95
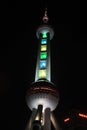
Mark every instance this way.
x=47 y=121
x=43 y=67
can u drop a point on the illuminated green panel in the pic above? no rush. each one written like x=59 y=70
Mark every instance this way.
x=42 y=73
x=44 y=35
x=43 y=55
x=43 y=47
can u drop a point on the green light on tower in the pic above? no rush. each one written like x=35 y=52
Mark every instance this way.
x=43 y=55
x=44 y=35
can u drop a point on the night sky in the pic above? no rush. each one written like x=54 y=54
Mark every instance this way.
x=18 y=53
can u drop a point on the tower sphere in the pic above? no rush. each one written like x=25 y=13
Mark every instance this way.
x=44 y=29
x=43 y=93
x=45 y=17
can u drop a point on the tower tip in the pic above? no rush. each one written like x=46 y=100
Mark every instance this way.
x=45 y=17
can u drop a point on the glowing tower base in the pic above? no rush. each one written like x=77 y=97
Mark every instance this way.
x=42 y=99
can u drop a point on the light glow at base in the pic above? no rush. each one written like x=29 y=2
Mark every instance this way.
x=42 y=73
x=45 y=99
x=37 y=118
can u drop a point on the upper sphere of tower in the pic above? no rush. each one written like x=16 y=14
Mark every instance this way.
x=45 y=28
x=45 y=17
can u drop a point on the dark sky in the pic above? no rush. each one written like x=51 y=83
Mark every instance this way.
x=18 y=54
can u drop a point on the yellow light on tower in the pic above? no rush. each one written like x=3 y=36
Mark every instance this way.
x=42 y=73
x=43 y=47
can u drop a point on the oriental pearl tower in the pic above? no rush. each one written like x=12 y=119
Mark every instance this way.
x=42 y=96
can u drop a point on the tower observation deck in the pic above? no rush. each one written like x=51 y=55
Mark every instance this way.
x=42 y=96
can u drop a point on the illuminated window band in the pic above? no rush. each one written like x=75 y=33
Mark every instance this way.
x=43 y=47
x=42 y=73
x=44 y=35
x=43 y=41
x=42 y=64
x=43 y=55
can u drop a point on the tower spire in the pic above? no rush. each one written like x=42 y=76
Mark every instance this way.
x=44 y=33
x=45 y=17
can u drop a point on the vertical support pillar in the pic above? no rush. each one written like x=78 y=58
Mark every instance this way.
x=39 y=113
x=29 y=124
x=54 y=122
x=47 y=121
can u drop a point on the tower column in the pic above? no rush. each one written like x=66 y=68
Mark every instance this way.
x=39 y=113
x=29 y=124
x=47 y=122
x=54 y=122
